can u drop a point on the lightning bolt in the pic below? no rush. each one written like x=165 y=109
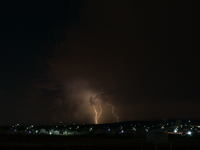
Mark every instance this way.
x=100 y=112
x=97 y=115
x=113 y=112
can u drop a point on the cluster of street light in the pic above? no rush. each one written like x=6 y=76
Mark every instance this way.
x=117 y=128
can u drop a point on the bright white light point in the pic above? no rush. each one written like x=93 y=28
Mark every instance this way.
x=189 y=132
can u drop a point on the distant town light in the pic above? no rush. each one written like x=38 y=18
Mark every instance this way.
x=189 y=133
x=175 y=130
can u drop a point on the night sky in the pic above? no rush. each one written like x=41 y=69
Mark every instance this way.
x=61 y=59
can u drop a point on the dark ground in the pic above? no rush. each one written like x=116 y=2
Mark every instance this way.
x=33 y=142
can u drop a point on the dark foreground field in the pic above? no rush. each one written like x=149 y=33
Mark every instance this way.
x=33 y=142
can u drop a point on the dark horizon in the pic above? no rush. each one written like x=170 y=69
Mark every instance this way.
x=192 y=121
x=61 y=60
